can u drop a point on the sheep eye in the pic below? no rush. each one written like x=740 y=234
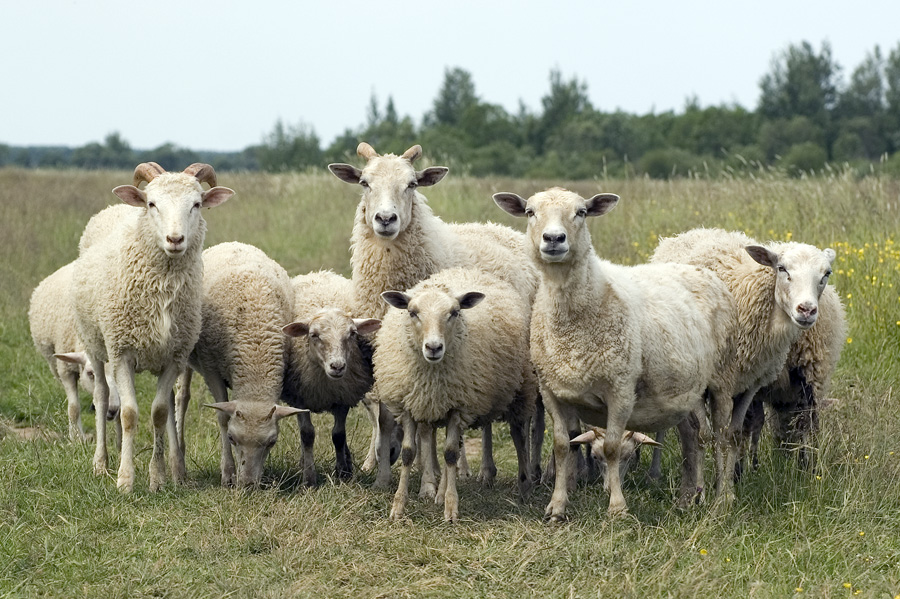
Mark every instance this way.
x=454 y=313
x=529 y=212
x=151 y=205
x=231 y=440
x=314 y=336
x=413 y=314
x=365 y=184
x=782 y=269
x=412 y=185
x=582 y=212
x=197 y=206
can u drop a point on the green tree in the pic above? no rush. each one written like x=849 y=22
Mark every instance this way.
x=801 y=83
x=455 y=97
x=289 y=148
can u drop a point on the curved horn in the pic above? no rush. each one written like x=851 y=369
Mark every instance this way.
x=584 y=438
x=202 y=172
x=413 y=153
x=146 y=171
x=366 y=151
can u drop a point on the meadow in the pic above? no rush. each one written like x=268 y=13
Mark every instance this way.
x=832 y=532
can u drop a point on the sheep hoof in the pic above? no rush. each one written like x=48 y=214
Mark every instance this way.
x=368 y=465
x=428 y=491
x=125 y=485
x=554 y=515
x=451 y=515
x=99 y=467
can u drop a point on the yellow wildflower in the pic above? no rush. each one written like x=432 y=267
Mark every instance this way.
x=703 y=552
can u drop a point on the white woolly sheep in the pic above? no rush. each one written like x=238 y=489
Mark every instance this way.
x=621 y=347
x=436 y=363
x=137 y=304
x=398 y=241
x=801 y=389
x=104 y=223
x=247 y=298
x=329 y=364
x=629 y=452
x=51 y=317
x=776 y=288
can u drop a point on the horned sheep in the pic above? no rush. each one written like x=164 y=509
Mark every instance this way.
x=398 y=241
x=621 y=347
x=137 y=303
x=329 y=364
x=436 y=363
x=776 y=288
x=247 y=298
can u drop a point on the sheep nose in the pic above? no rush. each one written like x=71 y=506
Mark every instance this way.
x=337 y=367
x=175 y=240
x=559 y=237
x=807 y=310
x=385 y=219
x=434 y=347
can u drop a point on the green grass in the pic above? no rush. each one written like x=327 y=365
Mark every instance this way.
x=65 y=532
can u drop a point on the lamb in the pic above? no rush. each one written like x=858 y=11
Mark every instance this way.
x=51 y=317
x=137 y=304
x=801 y=388
x=776 y=288
x=398 y=241
x=622 y=347
x=247 y=297
x=329 y=364
x=436 y=363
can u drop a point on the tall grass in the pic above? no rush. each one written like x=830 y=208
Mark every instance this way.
x=830 y=533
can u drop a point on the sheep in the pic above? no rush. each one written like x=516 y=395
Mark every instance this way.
x=801 y=388
x=776 y=288
x=398 y=241
x=629 y=453
x=51 y=317
x=137 y=295
x=247 y=297
x=104 y=223
x=621 y=346
x=329 y=364
x=436 y=363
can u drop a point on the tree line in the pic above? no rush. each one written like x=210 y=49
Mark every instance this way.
x=808 y=118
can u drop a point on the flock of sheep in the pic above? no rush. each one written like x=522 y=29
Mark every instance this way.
x=441 y=324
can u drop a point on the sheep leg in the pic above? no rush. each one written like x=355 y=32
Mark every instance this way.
x=463 y=471
x=123 y=373
x=73 y=406
x=370 y=462
x=407 y=459
x=619 y=406
x=182 y=399
x=386 y=426
x=307 y=443
x=159 y=415
x=451 y=457
x=176 y=445
x=101 y=401
x=735 y=429
x=488 y=472
x=753 y=424
x=721 y=406
x=428 y=485
x=518 y=430
x=691 y=468
x=563 y=455
x=343 y=460
x=226 y=464
x=655 y=471
x=538 y=424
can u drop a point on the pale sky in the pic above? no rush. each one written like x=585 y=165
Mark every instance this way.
x=216 y=75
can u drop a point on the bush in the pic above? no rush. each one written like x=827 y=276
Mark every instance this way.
x=668 y=163
x=803 y=158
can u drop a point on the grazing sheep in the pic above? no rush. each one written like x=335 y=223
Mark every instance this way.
x=629 y=453
x=247 y=297
x=437 y=363
x=329 y=364
x=51 y=317
x=622 y=347
x=137 y=304
x=801 y=389
x=776 y=288
x=398 y=241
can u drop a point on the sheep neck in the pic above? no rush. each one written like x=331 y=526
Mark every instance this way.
x=572 y=285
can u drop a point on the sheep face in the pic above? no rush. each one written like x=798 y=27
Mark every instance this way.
x=801 y=274
x=252 y=433
x=556 y=219
x=389 y=186
x=171 y=203
x=434 y=317
x=332 y=336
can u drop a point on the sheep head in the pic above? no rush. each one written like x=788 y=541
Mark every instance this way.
x=252 y=433
x=801 y=274
x=172 y=202
x=629 y=450
x=434 y=317
x=333 y=337
x=556 y=220
x=389 y=186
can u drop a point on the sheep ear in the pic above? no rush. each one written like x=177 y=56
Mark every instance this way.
x=229 y=407
x=397 y=299
x=510 y=203
x=469 y=300
x=366 y=326
x=644 y=439
x=215 y=196
x=284 y=411
x=762 y=255
x=431 y=175
x=131 y=195
x=829 y=255
x=601 y=203
x=584 y=438
x=77 y=357
x=296 y=329
x=345 y=172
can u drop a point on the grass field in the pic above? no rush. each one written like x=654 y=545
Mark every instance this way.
x=830 y=533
